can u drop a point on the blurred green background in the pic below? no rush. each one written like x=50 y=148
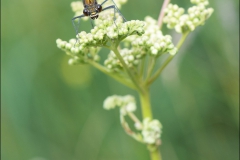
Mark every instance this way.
x=52 y=111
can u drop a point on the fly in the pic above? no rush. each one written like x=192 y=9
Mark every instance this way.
x=92 y=10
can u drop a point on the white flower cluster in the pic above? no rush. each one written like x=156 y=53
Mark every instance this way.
x=108 y=29
x=152 y=42
x=197 y=15
x=151 y=131
x=172 y=15
x=126 y=103
x=77 y=6
x=200 y=2
x=85 y=47
x=78 y=54
x=130 y=56
x=108 y=15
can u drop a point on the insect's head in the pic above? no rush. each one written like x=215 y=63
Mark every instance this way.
x=93 y=12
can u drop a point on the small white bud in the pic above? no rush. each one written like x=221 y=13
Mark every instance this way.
x=68 y=46
x=110 y=102
x=138 y=126
x=74 y=50
x=154 y=51
x=131 y=58
x=151 y=131
x=58 y=41
x=130 y=107
x=63 y=44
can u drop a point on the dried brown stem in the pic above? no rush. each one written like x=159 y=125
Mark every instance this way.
x=161 y=14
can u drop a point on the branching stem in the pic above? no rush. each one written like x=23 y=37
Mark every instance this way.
x=142 y=65
x=151 y=65
x=159 y=71
x=126 y=68
x=117 y=77
x=134 y=118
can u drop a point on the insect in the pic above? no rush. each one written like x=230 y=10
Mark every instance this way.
x=92 y=10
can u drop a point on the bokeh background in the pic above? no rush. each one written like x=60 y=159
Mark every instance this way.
x=53 y=111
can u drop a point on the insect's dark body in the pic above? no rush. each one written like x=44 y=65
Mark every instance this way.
x=91 y=8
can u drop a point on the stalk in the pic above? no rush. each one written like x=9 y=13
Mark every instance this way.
x=129 y=72
x=147 y=113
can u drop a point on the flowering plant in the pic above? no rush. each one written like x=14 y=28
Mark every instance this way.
x=135 y=46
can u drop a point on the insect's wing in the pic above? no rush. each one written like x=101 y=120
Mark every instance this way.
x=76 y=22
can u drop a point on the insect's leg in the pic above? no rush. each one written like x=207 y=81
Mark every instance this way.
x=116 y=8
x=119 y=11
x=112 y=7
x=77 y=27
x=109 y=7
x=104 y=2
x=92 y=23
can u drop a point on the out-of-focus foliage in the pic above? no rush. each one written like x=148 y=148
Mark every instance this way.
x=52 y=111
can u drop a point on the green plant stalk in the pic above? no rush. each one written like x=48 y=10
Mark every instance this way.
x=151 y=67
x=144 y=93
x=155 y=155
x=131 y=75
x=115 y=76
x=144 y=98
x=147 y=113
x=145 y=104
x=141 y=69
x=169 y=59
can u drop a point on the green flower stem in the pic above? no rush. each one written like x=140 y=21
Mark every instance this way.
x=131 y=75
x=145 y=104
x=145 y=97
x=142 y=65
x=159 y=71
x=155 y=155
x=134 y=118
x=113 y=75
x=147 y=113
x=151 y=65
x=183 y=38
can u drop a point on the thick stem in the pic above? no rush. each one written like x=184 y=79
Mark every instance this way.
x=147 y=113
x=145 y=104
x=155 y=155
